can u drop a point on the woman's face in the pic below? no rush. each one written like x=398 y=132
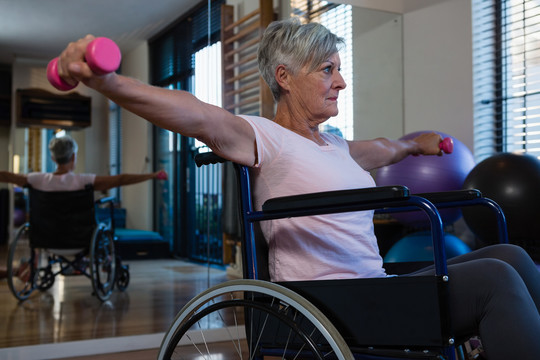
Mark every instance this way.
x=317 y=92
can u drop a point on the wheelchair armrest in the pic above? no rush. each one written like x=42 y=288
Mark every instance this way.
x=335 y=198
x=450 y=196
x=107 y=199
x=208 y=158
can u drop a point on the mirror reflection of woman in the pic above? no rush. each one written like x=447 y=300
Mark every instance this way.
x=64 y=153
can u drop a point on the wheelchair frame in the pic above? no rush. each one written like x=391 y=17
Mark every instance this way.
x=41 y=250
x=311 y=300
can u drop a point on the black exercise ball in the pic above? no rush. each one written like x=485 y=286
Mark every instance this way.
x=513 y=181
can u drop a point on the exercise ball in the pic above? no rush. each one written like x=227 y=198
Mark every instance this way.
x=423 y=174
x=19 y=217
x=513 y=181
x=419 y=247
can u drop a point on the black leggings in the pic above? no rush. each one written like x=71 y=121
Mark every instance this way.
x=495 y=293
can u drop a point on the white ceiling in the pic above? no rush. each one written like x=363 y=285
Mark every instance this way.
x=40 y=29
x=395 y=6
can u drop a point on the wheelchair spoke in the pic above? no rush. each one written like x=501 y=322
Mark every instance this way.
x=23 y=262
x=236 y=343
x=103 y=264
x=195 y=346
x=209 y=318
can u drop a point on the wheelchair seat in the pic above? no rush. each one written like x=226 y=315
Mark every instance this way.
x=63 y=237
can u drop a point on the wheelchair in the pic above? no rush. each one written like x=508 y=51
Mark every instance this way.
x=390 y=318
x=64 y=237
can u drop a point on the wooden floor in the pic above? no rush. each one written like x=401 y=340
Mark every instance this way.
x=68 y=312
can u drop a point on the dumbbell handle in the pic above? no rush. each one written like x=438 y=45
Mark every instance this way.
x=447 y=145
x=102 y=55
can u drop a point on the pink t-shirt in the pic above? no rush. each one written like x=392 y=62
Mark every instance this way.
x=64 y=182
x=318 y=247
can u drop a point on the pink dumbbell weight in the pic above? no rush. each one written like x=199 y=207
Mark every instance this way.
x=447 y=145
x=102 y=55
x=162 y=175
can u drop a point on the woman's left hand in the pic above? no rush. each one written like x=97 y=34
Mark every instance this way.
x=428 y=144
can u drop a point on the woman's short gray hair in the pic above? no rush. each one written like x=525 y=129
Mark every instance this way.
x=62 y=148
x=295 y=45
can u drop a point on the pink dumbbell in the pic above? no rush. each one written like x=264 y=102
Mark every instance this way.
x=102 y=55
x=162 y=175
x=447 y=145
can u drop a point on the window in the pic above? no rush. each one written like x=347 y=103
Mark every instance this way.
x=115 y=146
x=506 y=65
x=208 y=77
x=338 y=19
x=187 y=57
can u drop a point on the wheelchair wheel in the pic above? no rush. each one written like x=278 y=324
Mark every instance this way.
x=246 y=317
x=22 y=265
x=122 y=277
x=102 y=263
x=45 y=279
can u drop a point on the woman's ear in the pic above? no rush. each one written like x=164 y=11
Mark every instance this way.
x=282 y=76
x=73 y=159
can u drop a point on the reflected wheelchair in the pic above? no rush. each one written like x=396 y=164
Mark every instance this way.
x=379 y=318
x=64 y=237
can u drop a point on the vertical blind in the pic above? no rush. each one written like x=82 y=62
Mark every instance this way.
x=172 y=52
x=506 y=38
x=115 y=146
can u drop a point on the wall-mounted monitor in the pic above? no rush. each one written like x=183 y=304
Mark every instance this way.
x=41 y=108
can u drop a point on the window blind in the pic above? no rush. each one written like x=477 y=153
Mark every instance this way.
x=172 y=51
x=506 y=38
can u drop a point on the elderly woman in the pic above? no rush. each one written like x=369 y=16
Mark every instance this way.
x=64 y=153
x=495 y=292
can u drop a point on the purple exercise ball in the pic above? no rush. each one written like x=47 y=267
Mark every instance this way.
x=422 y=174
x=19 y=217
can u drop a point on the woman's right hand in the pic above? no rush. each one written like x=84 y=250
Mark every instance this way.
x=161 y=175
x=72 y=66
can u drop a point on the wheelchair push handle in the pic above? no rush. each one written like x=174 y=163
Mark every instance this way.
x=102 y=55
x=208 y=158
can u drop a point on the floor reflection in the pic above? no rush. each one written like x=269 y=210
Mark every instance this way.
x=67 y=312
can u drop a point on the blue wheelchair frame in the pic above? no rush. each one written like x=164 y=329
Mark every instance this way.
x=323 y=293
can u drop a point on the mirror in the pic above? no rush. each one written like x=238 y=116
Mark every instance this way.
x=376 y=35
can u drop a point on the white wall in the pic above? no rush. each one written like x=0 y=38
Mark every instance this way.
x=377 y=74
x=438 y=69
x=136 y=148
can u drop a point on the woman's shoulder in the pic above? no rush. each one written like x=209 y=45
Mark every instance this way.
x=37 y=175
x=334 y=139
x=259 y=121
